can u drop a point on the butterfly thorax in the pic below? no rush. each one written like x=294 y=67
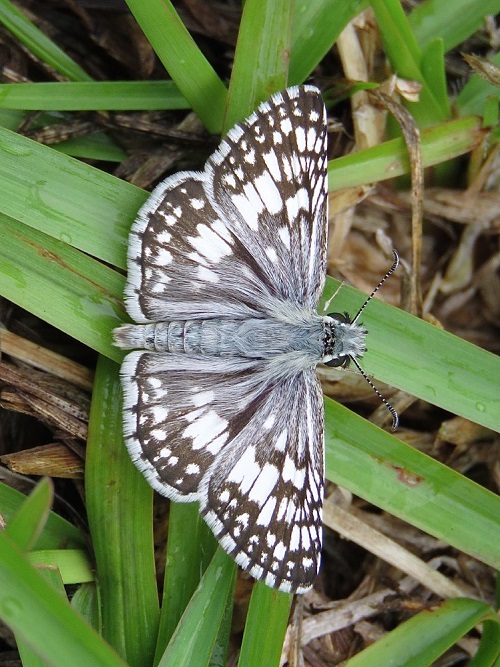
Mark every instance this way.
x=343 y=339
x=253 y=338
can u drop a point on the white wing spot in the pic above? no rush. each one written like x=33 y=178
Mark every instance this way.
x=229 y=180
x=209 y=244
x=164 y=237
x=163 y=257
x=286 y=126
x=250 y=156
x=269 y=422
x=205 y=429
x=266 y=513
x=271 y=253
x=245 y=471
x=269 y=193
x=207 y=275
x=264 y=484
x=158 y=414
x=284 y=234
x=159 y=434
x=202 y=397
x=280 y=444
x=279 y=551
x=216 y=445
x=271 y=160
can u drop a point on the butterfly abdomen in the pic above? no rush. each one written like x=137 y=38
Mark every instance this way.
x=251 y=338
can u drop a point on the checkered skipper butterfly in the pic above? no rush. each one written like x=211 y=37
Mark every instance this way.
x=221 y=401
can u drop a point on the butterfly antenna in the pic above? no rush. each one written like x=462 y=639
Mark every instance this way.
x=394 y=266
x=395 y=417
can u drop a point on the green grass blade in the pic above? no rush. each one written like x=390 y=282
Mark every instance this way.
x=119 y=508
x=188 y=67
x=57 y=532
x=265 y=627
x=434 y=75
x=85 y=602
x=488 y=652
x=38 y=43
x=41 y=617
x=261 y=58
x=92 y=96
x=28 y=657
x=73 y=564
x=390 y=159
x=61 y=285
x=28 y=522
x=454 y=24
x=405 y=57
x=421 y=640
x=95 y=146
x=71 y=201
x=190 y=548
x=392 y=475
x=316 y=27
x=195 y=636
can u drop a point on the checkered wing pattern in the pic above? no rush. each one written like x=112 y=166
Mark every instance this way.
x=245 y=238
x=214 y=431
x=246 y=232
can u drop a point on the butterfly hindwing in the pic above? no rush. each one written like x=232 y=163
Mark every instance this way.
x=247 y=447
x=264 y=496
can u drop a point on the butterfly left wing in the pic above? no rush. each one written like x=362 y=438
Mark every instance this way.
x=244 y=440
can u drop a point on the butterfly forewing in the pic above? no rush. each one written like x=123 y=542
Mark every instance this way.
x=249 y=229
x=269 y=178
x=242 y=434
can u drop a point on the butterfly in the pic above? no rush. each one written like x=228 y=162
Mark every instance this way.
x=222 y=404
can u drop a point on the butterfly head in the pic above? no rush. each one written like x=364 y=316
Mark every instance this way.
x=343 y=340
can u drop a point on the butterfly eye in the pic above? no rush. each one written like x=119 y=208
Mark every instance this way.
x=339 y=362
x=340 y=317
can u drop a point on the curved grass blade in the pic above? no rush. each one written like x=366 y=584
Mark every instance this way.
x=196 y=634
x=57 y=532
x=183 y=60
x=42 y=618
x=426 y=636
x=263 y=38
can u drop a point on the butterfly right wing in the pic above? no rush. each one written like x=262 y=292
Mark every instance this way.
x=246 y=234
x=243 y=440
x=184 y=263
